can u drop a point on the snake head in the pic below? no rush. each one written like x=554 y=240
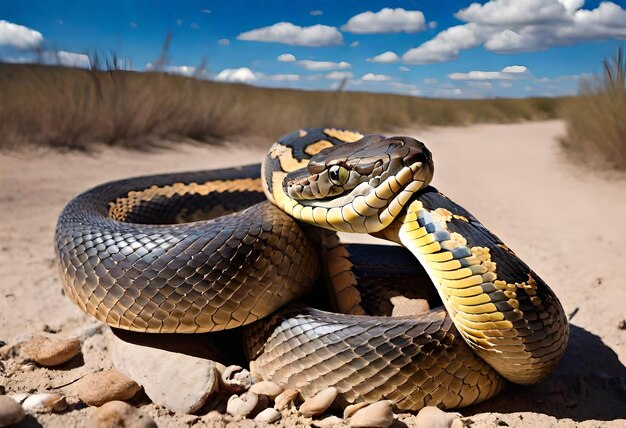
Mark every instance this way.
x=364 y=177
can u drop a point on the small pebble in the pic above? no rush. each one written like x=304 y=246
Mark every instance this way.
x=319 y=403
x=329 y=422
x=285 y=398
x=236 y=379
x=244 y=404
x=98 y=388
x=269 y=415
x=10 y=411
x=457 y=423
x=375 y=415
x=352 y=408
x=28 y=367
x=403 y=306
x=45 y=402
x=267 y=388
x=19 y=397
x=434 y=417
x=116 y=414
x=50 y=351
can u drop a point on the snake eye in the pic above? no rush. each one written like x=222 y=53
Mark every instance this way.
x=338 y=175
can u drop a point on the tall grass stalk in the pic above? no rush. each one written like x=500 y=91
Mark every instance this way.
x=596 y=121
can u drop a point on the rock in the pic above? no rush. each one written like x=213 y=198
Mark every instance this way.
x=236 y=379
x=375 y=415
x=19 y=397
x=268 y=416
x=98 y=388
x=50 y=351
x=246 y=404
x=45 y=402
x=28 y=367
x=434 y=417
x=117 y=414
x=10 y=411
x=403 y=306
x=457 y=423
x=270 y=389
x=285 y=398
x=319 y=403
x=352 y=408
x=180 y=382
x=329 y=422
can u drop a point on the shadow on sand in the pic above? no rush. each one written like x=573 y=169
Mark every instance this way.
x=589 y=383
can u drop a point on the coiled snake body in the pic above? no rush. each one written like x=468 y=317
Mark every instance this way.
x=205 y=251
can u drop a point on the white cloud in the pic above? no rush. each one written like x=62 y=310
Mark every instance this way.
x=387 y=57
x=72 y=59
x=481 y=85
x=339 y=75
x=506 y=85
x=284 y=77
x=243 y=74
x=431 y=81
x=316 y=12
x=432 y=25
x=184 y=70
x=403 y=68
x=290 y=34
x=18 y=36
x=376 y=77
x=354 y=44
x=194 y=25
x=386 y=20
x=223 y=42
x=446 y=45
x=205 y=11
x=286 y=57
x=510 y=26
x=507 y=73
x=322 y=65
x=506 y=12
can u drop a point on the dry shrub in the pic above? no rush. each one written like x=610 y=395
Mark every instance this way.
x=65 y=107
x=596 y=120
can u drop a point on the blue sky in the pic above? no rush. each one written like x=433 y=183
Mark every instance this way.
x=444 y=48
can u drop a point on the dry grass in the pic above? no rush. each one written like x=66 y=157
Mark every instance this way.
x=63 y=107
x=596 y=121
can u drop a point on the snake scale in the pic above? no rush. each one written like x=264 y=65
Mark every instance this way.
x=214 y=250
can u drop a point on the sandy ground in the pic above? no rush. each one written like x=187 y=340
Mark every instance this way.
x=565 y=220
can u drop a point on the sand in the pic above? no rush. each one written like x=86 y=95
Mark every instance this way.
x=564 y=219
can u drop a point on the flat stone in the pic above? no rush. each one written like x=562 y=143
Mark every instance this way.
x=319 y=403
x=50 y=351
x=115 y=414
x=98 y=388
x=375 y=415
x=270 y=389
x=286 y=398
x=182 y=383
x=434 y=417
x=10 y=411
x=268 y=416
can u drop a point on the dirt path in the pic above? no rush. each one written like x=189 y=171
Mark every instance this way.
x=564 y=220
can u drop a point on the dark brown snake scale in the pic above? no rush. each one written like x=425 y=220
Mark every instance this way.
x=205 y=251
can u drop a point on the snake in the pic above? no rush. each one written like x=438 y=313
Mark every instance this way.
x=246 y=247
